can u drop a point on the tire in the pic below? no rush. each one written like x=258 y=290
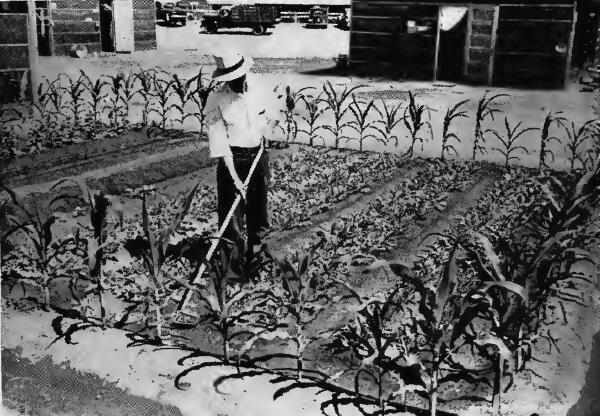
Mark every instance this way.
x=259 y=30
x=211 y=29
x=183 y=22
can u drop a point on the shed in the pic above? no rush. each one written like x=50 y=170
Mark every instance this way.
x=509 y=43
x=98 y=25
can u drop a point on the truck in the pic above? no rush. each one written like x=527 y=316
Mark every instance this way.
x=317 y=17
x=259 y=18
x=172 y=13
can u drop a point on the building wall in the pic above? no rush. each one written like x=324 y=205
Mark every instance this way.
x=480 y=41
x=77 y=22
x=144 y=24
x=14 y=55
x=381 y=42
x=504 y=40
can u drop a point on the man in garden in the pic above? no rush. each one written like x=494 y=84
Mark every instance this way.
x=236 y=130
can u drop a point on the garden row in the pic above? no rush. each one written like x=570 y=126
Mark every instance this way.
x=462 y=319
x=76 y=109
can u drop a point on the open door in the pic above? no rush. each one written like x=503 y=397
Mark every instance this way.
x=452 y=43
x=123 y=24
x=107 y=36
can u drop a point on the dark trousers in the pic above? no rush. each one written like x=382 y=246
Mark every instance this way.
x=254 y=210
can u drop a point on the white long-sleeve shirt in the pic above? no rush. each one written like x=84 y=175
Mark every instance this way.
x=239 y=120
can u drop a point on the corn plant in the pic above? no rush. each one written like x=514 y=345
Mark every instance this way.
x=147 y=81
x=199 y=96
x=338 y=104
x=115 y=98
x=306 y=295
x=129 y=90
x=51 y=99
x=162 y=104
x=443 y=321
x=484 y=112
x=361 y=123
x=376 y=339
x=153 y=248
x=292 y=98
x=95 y=246
x=545 y=139
x=9 y=132
x=391 y=118
x=41 y=265
x=76 y=89
x=447 y=135
x=240 y=313
x=182 y=92
x=414 y=121
x=98 y=97
x=576 y=139
x=509 y=147
x=313 y=106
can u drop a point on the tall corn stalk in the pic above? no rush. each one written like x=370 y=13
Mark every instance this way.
x=484 y=112
x=115 y=98
x=292 y=98
x=576 y=139
x=154 y=249
x=98 y=205
x=390 y=119
x=76 y=90
x=414 y=121
x=546 y=138
x=199 y=96
x=361 y=123
x=509 y=146
x=451 y=115
x=338 y=104
x=147 y=81
x=98 y=97
x=315 y=111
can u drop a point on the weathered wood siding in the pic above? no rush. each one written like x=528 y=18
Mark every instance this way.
x=14 y=44
x=382 y=42
x=75 y=22
x=144 y=24
x=480 y=43
x=508 y=43
x=533 y=45
x=14 y=54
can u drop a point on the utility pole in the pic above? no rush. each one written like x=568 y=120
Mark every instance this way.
x=33 y=50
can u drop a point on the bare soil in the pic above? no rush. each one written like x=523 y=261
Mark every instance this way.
x=45 y=388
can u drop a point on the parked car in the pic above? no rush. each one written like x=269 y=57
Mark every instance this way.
x=343 y=23
x=258 y=18
x=173 y=13
x=317 y=17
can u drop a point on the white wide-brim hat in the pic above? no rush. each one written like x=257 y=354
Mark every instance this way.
x=231 y=65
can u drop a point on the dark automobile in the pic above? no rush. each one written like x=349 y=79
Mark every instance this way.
x=317 y=17
x=172 y=14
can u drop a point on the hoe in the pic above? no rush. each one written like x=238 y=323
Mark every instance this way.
x=185 y=316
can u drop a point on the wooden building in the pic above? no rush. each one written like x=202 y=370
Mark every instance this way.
x=97 y=25
x=510 y=43
x=14 y=50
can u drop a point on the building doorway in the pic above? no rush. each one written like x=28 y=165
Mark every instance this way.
x=453 y=31
x=107 y=31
